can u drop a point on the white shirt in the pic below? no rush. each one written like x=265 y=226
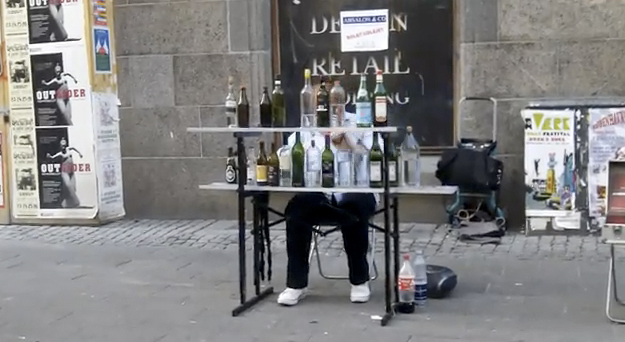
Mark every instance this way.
x=353 y=137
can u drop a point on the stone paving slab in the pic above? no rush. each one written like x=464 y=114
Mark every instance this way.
x=223 y=235
x=84 y=293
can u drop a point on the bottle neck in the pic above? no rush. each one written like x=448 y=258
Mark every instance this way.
x=297 y=137
x=363 y=82
x=327 y=141
x=307 y=81
x=378 y=79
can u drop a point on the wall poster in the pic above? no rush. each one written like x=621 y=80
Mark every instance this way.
x=55 y=20
x=549 y=166
x=606 y=141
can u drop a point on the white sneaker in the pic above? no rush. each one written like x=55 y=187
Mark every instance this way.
x=290 y=297
x=360 y=293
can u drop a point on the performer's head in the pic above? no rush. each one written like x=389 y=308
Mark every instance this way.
x=58 y=69
x=63 y=142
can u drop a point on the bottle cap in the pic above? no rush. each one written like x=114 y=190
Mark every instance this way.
x=379 y=72
x=406 y=257
x=277 y=82
x=306 y=73
x=409 y=129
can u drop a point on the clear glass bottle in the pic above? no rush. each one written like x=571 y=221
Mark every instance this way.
x=284 y=156
x=251 y=166
x=231 y=105
x=361 y=165
x=337 y=104
x=410 y=157
x=307 y=103
x=363 y=104
x=313 y=166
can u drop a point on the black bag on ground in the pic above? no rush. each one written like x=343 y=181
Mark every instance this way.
x=471 y=170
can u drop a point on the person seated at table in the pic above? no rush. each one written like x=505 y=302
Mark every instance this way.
x=305 y=210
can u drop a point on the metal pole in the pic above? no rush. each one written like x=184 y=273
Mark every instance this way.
x=396 y=250
x=387 y=226
x=242 y=178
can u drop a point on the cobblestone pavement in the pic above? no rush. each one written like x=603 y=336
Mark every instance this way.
x=222 y=235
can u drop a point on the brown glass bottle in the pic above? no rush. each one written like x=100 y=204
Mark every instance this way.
x=243 y=109
x=265 y=109
x=273 y=167
x=261 y=166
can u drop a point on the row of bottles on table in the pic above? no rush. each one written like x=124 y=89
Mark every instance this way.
x=321 y=167
x=324 y=108
x=412 y=283
x=272 y=110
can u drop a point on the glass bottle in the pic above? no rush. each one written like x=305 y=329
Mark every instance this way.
x=243 y=109
x=360 y=157
x=337 y=104
x=307 y=102
x=297 y=162
x=273 y=167
x=261 y=165
x=363 y=104
x=251 y=166
x=231 y=105
x=313 y=165
x=231 y=167
x=278 y=109
x=265 y=109
x=375 y=163
x=284 y=156
x=323 y=104
x=393 y=170
x=379 y=96
x=411 y=160
x=327 y=165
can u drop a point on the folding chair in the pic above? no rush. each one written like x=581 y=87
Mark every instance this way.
x=314 y=249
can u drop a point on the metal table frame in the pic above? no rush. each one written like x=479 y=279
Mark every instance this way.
x=261 y=208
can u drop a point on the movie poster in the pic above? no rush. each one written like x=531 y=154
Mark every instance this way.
x=55 y=21
x=606 y=141
x=108 y=154
x=550 y=166
x=60 y=86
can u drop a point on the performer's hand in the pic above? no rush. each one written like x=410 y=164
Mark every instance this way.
x=48 y=155
x=80 y=155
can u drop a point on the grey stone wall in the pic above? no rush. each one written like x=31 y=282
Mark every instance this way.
x=175 y=58
x=526 y=50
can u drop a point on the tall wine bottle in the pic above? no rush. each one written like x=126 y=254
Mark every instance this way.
x=297 y=162
x=375 y=163
x=363 y=104
x=243 y=109
x=327 y=165
x=273 y=167
x=277 y=102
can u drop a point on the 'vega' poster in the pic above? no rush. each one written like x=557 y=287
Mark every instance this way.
x=550 y=166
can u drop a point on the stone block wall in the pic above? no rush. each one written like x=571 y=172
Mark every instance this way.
x=175 y=58
x=520 y=51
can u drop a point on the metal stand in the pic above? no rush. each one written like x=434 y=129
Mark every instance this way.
x=241 y=194
x=615 y=307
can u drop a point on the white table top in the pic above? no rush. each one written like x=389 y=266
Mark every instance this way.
x=423 y=190
x=289 y=129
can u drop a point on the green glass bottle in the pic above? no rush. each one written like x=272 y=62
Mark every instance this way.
x=327 y=165
x=375 y=163
x=363 y=104
x=297 y=162
x=273 y=167
x=379 y=100
x=277 y=98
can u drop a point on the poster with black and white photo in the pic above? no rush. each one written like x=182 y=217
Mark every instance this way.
x=59 y=87
x=66 y=173
x=55 y=20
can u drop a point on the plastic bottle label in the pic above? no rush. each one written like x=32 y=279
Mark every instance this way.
x=421 y=293
x=376 y=171
x=392 y=171
x=405 y=284
x=231 y=175
x=261 y=173
x=363 y=112
x=380 y=109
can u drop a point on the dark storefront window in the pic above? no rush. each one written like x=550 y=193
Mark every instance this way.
x=418 y=66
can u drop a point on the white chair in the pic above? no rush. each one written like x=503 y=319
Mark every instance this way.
x=314 y=249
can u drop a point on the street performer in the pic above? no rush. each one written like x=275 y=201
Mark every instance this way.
x=306 y=210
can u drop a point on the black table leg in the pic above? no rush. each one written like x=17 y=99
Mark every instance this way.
x=256 y=248
x=387 y=235
x=242 y=178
